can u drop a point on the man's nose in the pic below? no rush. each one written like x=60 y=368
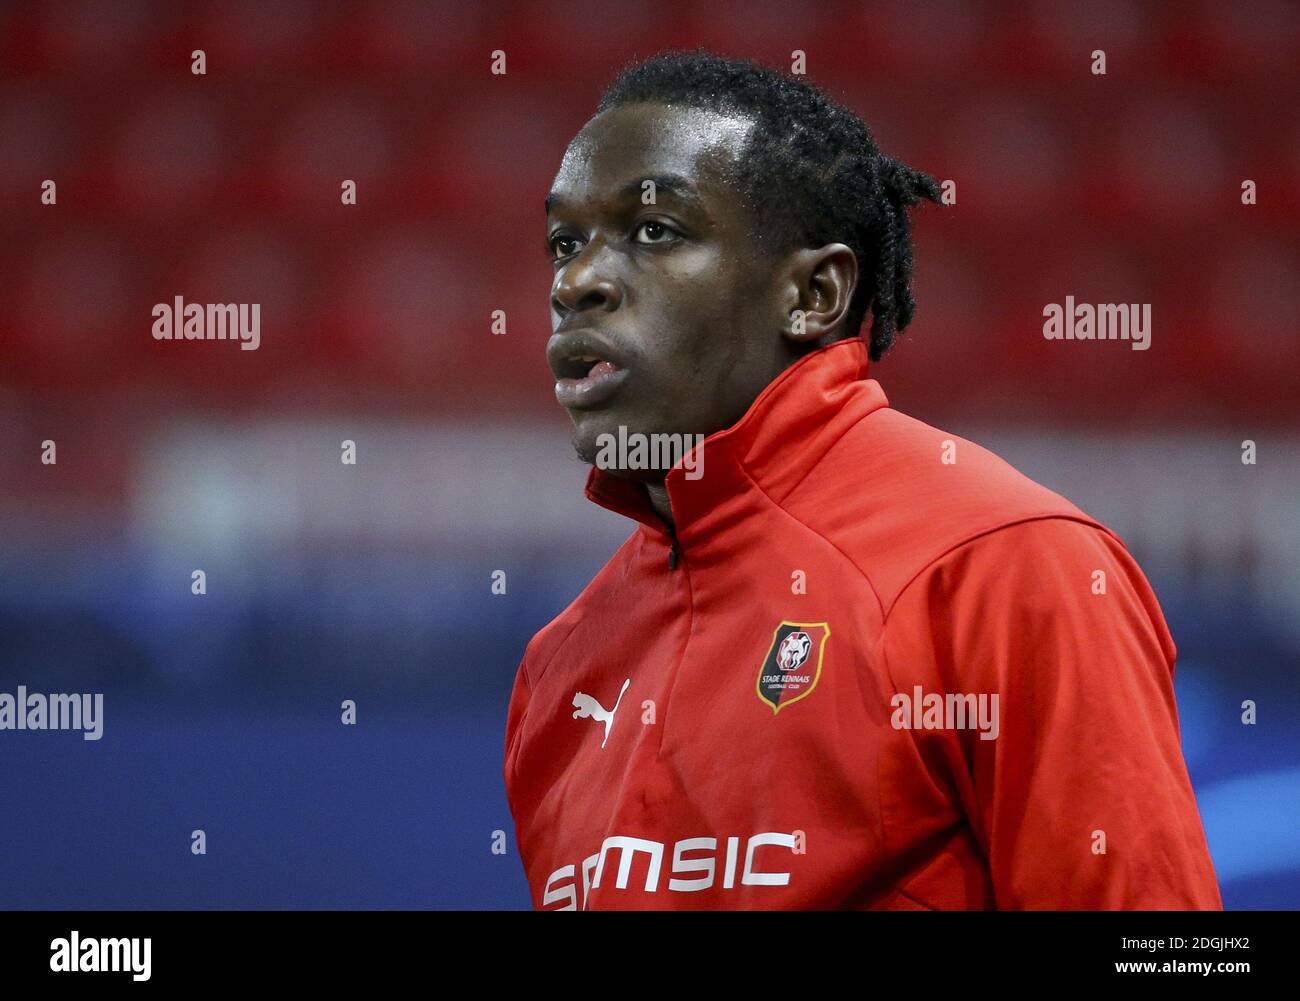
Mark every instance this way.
x=586 y=283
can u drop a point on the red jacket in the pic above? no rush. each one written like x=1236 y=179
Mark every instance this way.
x=791 y=706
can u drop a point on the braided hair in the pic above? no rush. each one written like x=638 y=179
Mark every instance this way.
x=811 y=175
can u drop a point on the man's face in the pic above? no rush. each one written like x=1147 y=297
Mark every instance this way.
x=664 y=317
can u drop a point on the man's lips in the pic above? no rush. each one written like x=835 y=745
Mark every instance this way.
x=587 y=369
x=592 y=389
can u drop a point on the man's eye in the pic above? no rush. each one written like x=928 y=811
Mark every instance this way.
x=656 y=232
x=558 y=246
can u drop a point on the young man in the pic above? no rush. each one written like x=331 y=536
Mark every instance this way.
x=845 y=660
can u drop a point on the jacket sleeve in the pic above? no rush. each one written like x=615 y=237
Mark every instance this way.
x=1082 y=801
x=519 y=697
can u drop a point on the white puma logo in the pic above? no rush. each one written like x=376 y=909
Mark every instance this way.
x=585 y=707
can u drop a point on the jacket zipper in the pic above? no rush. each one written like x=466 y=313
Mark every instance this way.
x=674 y=552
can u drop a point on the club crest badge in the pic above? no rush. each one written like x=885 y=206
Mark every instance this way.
x=793 y=663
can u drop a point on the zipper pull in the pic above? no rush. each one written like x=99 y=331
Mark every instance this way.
x=673 y=552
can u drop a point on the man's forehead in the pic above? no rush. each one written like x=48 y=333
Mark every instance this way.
x=630 y=143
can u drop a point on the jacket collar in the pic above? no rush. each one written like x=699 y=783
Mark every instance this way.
x=785 y=432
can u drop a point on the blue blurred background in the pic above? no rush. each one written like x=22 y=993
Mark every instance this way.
x=372 y=582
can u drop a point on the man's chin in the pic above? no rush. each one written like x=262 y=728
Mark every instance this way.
x=588 y=431
x=597 y=444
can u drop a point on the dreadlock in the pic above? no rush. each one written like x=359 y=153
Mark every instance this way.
x=812 y=174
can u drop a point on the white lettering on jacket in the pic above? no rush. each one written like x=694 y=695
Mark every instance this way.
x=562 y=887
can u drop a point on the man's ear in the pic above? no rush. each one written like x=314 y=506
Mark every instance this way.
x=820 y=286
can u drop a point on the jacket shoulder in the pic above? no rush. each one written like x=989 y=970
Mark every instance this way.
x=603 y=588
x=895 y=494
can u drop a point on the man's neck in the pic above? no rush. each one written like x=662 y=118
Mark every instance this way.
x=658 y=494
